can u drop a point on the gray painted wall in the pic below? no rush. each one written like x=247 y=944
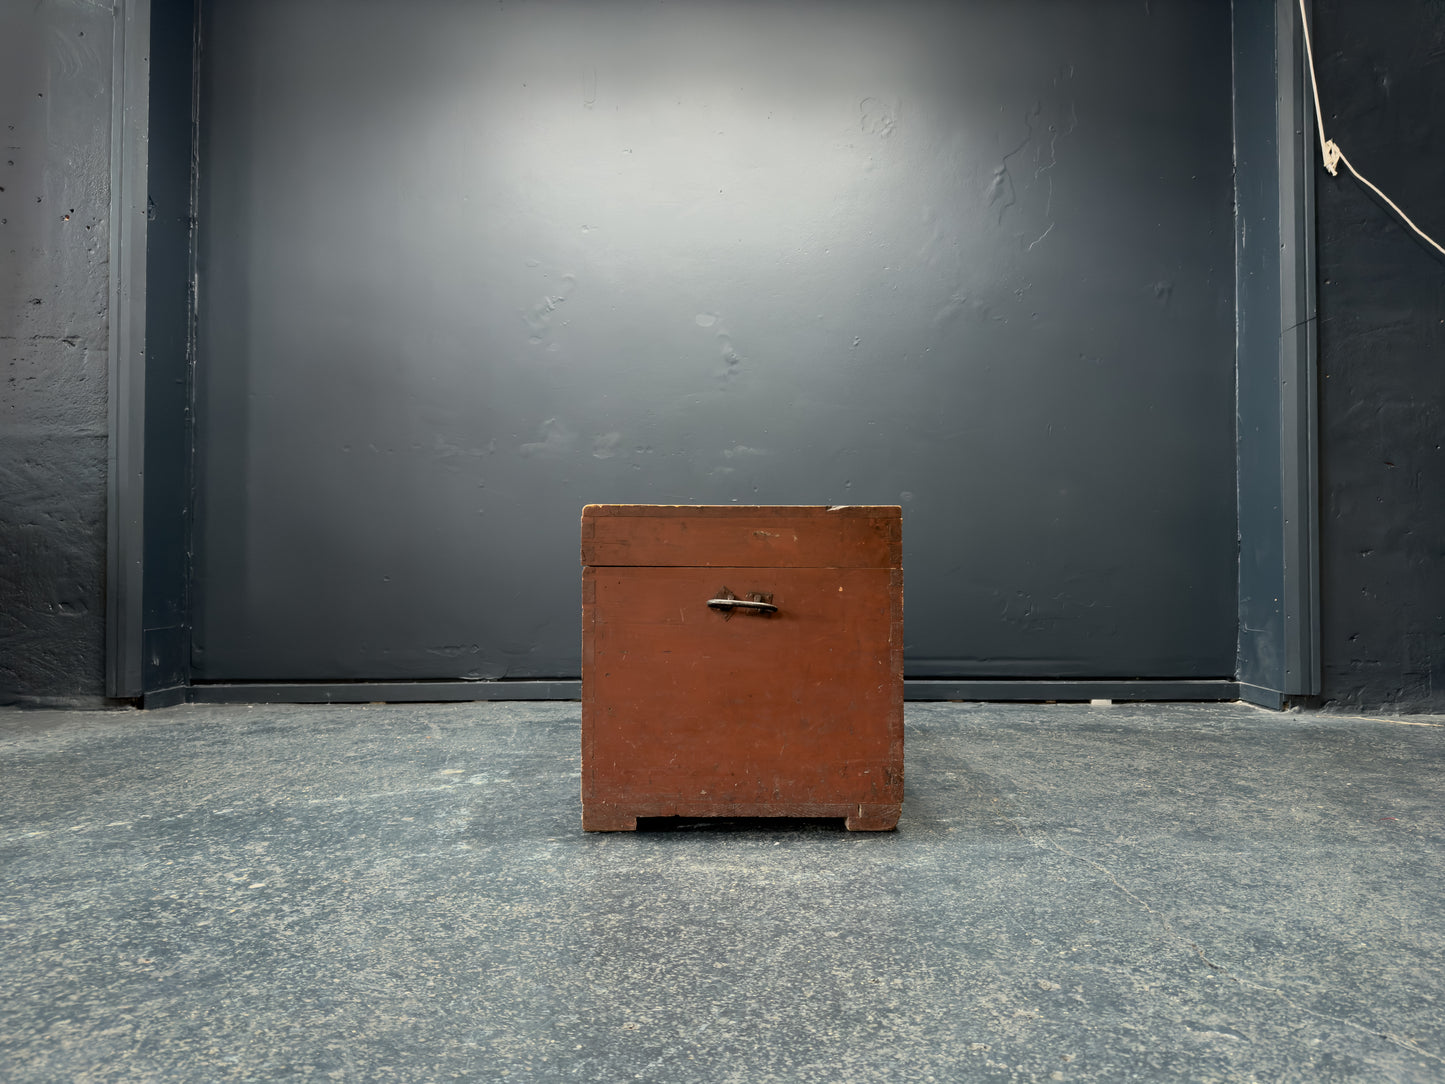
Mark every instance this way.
x=1382 y=355
x=465 y=268
x=55 y=85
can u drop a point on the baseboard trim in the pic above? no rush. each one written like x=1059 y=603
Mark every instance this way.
x=366 y=692
x=166 y=698
x=1261 y=697
x=1084 y=689
x=413 y=692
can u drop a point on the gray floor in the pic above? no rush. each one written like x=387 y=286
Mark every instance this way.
x=403 y=893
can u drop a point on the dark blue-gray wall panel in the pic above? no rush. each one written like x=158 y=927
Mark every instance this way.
x=465 y=268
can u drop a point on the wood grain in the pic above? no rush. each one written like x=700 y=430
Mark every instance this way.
x=689 y=711
x=790 y=536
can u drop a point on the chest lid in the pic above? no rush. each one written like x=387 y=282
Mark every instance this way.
x=742 y=536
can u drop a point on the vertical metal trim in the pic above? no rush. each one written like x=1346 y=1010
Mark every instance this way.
x=1311 y=664
x=1239 y=585
x=125 y=459
x=193 y=303
x=1299 y=441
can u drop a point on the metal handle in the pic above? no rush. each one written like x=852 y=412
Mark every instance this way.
x=728 y=602
x=742 y=603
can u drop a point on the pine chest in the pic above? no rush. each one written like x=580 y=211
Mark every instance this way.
x=742 y=662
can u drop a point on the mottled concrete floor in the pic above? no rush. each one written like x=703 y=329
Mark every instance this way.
x=403 y=893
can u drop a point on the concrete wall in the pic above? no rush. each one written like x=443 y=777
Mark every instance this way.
x=1382 y=356
x=55 y=80
x=1382 y=353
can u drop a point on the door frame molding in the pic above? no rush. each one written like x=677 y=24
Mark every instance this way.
x=125 y=481
x=1298 y=361
x=1275 y=357
x=152 y=213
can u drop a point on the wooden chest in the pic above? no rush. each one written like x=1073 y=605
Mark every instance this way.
x=741 y=662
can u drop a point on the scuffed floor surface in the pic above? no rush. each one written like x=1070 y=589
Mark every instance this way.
x=403 y=893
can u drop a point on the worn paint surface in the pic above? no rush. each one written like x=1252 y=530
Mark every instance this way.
x=688 y=710
x=1382 y=358
x=55 y=68
x=463 y=272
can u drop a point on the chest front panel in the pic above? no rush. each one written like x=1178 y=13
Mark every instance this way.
x=697 y=705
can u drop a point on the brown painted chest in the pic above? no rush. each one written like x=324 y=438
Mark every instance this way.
x=741 y=661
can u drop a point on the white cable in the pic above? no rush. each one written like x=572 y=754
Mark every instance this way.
x=1330 y=150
